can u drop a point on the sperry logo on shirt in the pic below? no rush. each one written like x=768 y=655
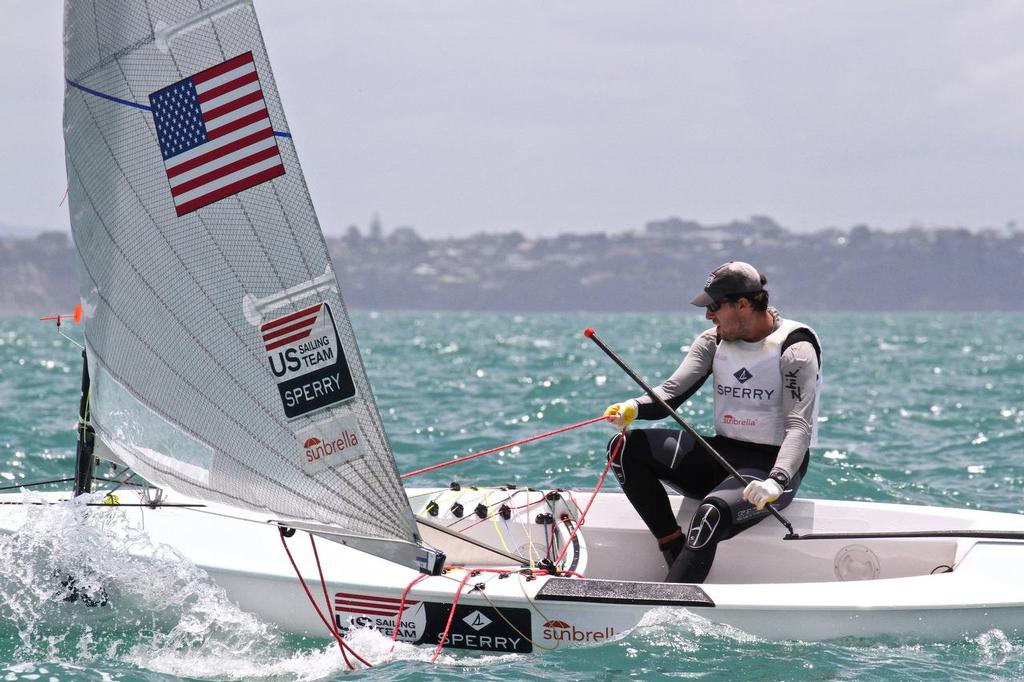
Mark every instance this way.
x=743 y=376
x=747 y=393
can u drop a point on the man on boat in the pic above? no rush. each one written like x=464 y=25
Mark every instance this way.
x=766 y=376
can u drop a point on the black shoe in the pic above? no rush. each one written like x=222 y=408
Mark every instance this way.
x=671 y=549
x=692 y=565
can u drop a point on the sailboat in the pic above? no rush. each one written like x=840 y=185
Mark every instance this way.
x=222 y=378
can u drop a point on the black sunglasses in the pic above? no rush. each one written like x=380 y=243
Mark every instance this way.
x=715 y=306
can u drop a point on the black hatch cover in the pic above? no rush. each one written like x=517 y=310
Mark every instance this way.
x=623 y=592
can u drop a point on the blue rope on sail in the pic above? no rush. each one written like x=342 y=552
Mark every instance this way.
x=110 y=98
x=129 y=103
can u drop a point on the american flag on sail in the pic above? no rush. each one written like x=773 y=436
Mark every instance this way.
x=215 y=134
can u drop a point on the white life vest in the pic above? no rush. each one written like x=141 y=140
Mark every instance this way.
x=748 y=388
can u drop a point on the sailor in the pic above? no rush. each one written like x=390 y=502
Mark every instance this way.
x=766 y=376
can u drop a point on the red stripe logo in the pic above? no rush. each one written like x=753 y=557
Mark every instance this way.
x=290 y=328
x=370 y=605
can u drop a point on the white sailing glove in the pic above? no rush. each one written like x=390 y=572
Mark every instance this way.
x=760 y=493
x=622 y=414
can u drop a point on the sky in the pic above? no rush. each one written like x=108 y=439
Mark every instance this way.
x=456 y=117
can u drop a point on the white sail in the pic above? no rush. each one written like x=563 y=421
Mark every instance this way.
x=223 y=361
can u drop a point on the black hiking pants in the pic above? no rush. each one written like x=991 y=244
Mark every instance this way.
x=650 y=456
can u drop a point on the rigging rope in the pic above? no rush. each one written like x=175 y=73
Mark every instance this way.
x=582 y=512
x=593 y=496
x=327 y=599
x=35 y=483
x=401 y=605
x=503 y=447
x=451 y=615
x=309 y=595
x=332 y=626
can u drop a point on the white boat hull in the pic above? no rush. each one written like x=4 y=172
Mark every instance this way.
x=917 y=588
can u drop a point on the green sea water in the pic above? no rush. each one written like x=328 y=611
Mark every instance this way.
x=923 y=409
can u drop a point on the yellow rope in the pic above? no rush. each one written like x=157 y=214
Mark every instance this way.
x=494 y=520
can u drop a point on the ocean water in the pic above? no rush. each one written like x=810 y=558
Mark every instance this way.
x=924 y=409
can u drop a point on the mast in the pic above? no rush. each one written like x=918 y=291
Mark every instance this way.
x=85 y=463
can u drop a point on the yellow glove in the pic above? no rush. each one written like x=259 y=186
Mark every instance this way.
x=622 y=414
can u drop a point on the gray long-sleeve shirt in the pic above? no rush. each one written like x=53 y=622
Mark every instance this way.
x=798 y=364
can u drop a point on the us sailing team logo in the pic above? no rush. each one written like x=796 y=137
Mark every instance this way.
x=306 y=358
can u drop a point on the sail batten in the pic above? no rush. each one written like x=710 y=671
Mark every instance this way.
x=176 y=292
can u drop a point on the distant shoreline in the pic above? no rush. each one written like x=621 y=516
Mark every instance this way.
x=655 y=269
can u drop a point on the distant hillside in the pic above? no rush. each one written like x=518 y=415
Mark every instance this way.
x=38 y=274
x=656 y=268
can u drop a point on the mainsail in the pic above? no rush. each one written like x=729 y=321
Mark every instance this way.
x=223 y=361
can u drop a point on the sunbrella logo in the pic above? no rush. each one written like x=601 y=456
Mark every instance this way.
x=330 y=443
x=560 y=631
x=316 y=448
x=743 y=376
x=729 y=419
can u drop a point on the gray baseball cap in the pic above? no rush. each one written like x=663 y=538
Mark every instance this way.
x=730 y=279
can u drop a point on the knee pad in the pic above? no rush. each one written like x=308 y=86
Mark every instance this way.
x=706 y=526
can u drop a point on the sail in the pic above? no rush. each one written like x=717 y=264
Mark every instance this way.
x=223 y=361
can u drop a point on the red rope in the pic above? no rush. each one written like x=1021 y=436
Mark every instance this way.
x=451 y=617
x=593 y=496
x=492 y=515
x=332 y=627
x=327 y=600
x=401 y=605
x=503 y=447
x=309 y=595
